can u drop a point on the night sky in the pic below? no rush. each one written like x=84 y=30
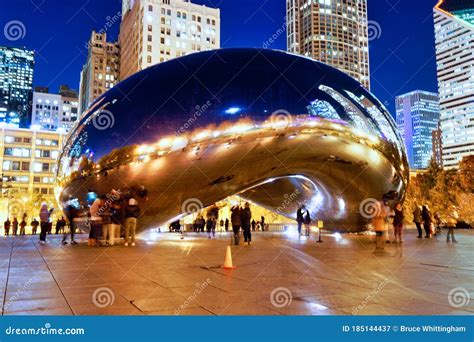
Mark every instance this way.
x=402 y=58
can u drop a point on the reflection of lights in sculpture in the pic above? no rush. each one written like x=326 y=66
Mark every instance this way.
x=300 y=127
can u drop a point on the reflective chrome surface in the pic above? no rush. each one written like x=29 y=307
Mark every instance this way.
x=275 y=128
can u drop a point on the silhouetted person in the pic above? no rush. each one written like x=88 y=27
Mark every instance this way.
x=6 y=227
x=246 y=218
x=235 y=219
x=427 y=220
x=303 y=218
x=262 y=222
x=22 y=227
x=34 y=226
x=211 y=227
x=226 y=224
x=15 y=226
x=418 y=220
x=254 y=225
x=60 y=224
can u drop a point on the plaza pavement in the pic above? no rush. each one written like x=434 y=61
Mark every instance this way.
x=277 y=275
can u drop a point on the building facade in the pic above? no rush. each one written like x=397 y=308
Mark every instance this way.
x=101 y=70
x=454 y=34
x=28 y=158
x=154 y=31
x=54 y=111
x=334 y=32
x=417 y=117
x=16 y=85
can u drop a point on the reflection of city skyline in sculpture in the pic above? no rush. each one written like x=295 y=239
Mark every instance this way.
x=266 y=125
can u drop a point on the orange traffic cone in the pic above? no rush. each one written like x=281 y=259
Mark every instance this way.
x=228 y=260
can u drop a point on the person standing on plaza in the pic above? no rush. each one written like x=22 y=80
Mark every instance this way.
x=95 y=222
x=6 y=227
x=246 y=218
x=34 y=226
x=380 y=227
x=15 y=226
x=254 y=225
x=418 y=220
x=226 y=224
x=398 y=223
x=60 y=224
x=211 y=227
x=22 y=227
x=427 y=220
x=262 y=223
x=45 y=217
x=71 y=213
x=235 y=219
x=451 y=223
x=301 y=217
x=132 y=213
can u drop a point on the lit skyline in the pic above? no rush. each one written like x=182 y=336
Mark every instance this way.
x=402 y=59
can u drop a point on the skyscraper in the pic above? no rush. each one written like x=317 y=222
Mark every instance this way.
x=16 y=85
x=101 y=70
x=154 y=31
x=454 y=33
x=417 y=118
x=334 y=32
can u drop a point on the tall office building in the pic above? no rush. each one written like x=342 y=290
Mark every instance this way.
x=334 y=32
x=54 y=111
x=101 y=70
x=417 y=118
x=454 y=33
x=16 y=85
x=154 y=31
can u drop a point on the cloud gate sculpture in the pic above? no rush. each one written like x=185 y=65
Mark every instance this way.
x=274 y=128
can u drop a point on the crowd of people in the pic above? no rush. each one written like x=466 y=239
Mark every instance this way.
x=241 y=220
x=422 y=217
x=108 y=214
